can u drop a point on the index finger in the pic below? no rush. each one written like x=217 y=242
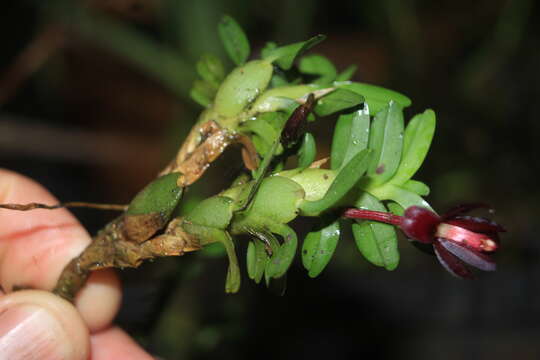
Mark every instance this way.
x=35 y=246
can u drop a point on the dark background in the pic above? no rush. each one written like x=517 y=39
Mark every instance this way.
x=97 y=107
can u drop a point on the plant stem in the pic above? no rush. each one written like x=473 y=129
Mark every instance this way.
x=379 y=216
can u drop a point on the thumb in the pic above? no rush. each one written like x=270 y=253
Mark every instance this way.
x=36 y=324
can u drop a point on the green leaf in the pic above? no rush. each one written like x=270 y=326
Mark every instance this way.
x=211 y=69
x=260 y=174
x=351 y=136
x=262 y=128
x=267 y=49
x=376 y=241
x=282 y=98
x=337 y=100
x=256 y=260
x=284 y=56
x=273 y=244
x=416 y=143
x=386 y=141
x=307 y=152
x=234 y=39
x=405 y=198
x=278 y=80
x=242 y=86
x=215 y=212
x=395 y=208
x=347 y=74
x=260 y=144
x=318 y=65
x=417 y=187
x=233 y=280
x=376 y=97
x=281 y=261
x=202 y=92
x=349 y=175
x=319 y=246
x=160 y=196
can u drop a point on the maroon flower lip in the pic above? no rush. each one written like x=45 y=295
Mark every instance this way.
x=457 y=240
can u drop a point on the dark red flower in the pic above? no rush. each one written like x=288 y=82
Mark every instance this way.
x=457 y=239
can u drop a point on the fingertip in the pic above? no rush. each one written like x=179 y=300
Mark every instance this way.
x=38 y=324
x=114 y=343
x=99 y=300
x=34 y=245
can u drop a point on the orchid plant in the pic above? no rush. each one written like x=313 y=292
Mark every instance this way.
x=265 y=106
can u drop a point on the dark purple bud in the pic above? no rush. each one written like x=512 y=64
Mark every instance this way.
x=420 y=224
x=451 y=263
x=469 y=256
x=295 y=126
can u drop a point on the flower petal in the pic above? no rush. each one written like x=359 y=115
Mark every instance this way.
x=468 y=255
x=476 y=224
x=462 y=209
x=451 y=263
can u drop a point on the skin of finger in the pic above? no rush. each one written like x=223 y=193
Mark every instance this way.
x=113 y=344
x=36 y=245
x=72 y=324
x=99 y=301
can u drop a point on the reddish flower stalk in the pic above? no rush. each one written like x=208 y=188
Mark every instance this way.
x=456 y=239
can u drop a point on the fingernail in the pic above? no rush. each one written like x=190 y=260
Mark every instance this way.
x=31 y=332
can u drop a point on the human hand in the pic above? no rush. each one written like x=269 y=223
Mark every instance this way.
x=34 y=248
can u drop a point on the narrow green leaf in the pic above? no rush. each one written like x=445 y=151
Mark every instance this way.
x=318 y=65
x=376 y=97
x=211 y=69
x=256 y=260
x=347 y=74
x=376 y=241
x=281 y=261
x=233 y=280
x=209 y=235
x=337 y=100
x=416 y=143
x=406 y=198
x=349 y=175
x=203 y=92
x=284 y=56
x=351 y=136
x=417 y=187
x=307 y=152
x=319 y=246
x=200 y=98
x=386 y=141
x=234 y=40
x=274 y=246
x=340 y=140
